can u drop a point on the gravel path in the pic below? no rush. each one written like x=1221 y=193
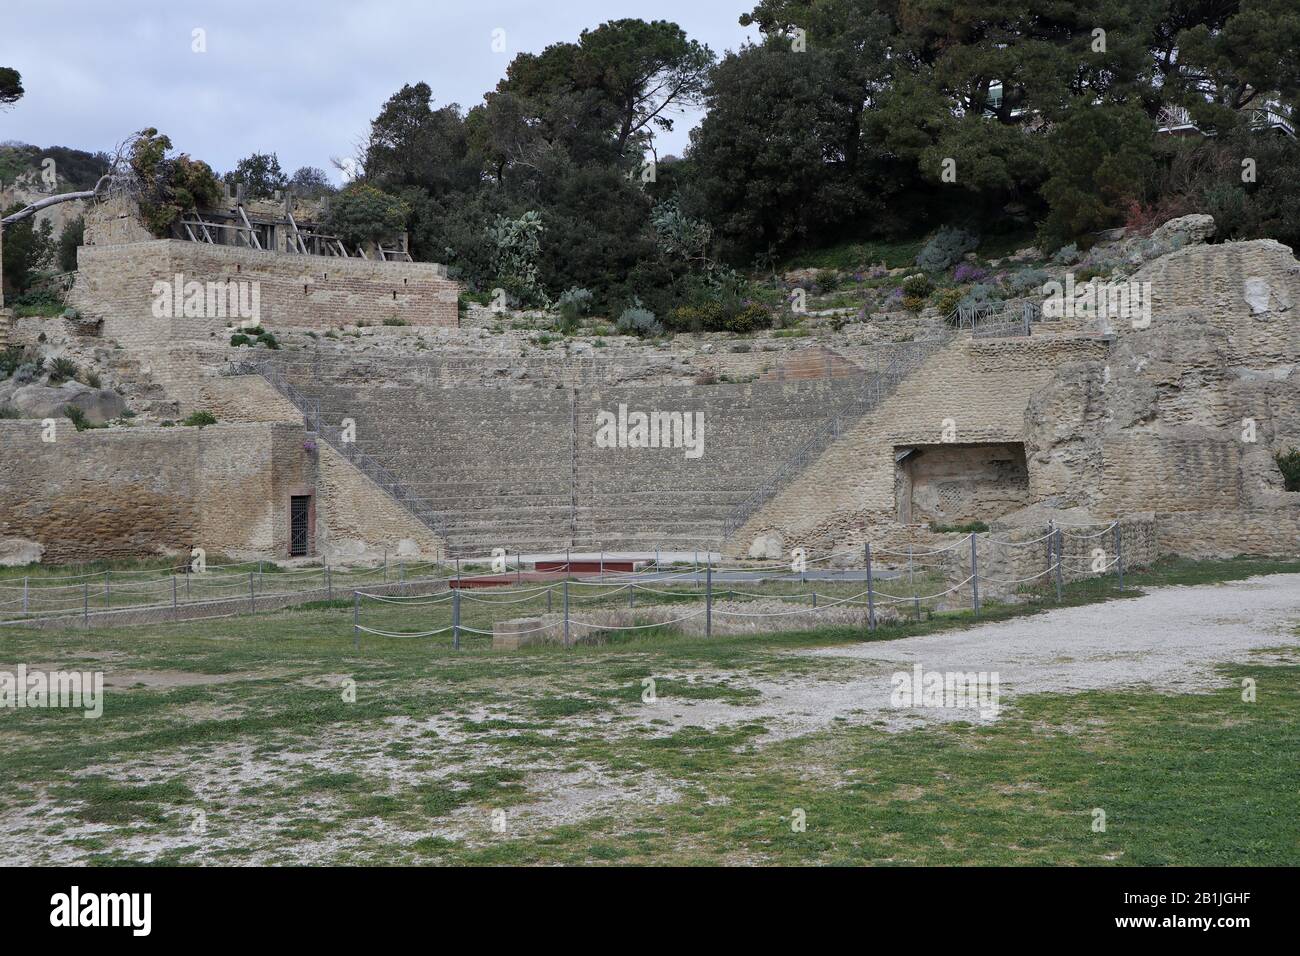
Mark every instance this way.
x=1170 y=640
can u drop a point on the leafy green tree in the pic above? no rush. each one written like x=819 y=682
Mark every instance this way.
x=260 y=174
x=647 y=71
x=11 y=86
x=311 y=181
x=412 y=144
x=169 y=186
x=72 y=236
x=1097 y=161
x=361 y=213
x=1234 y=56
x=27 y=248
x=768 y=161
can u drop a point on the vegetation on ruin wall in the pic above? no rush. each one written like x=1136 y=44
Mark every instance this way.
x=1288 y=462
x=169 y=185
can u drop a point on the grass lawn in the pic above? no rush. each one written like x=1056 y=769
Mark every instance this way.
x=266 y=739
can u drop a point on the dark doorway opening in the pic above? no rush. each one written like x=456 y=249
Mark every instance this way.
x=299 y=511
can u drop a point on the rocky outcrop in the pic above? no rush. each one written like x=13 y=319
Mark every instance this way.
x=100 y=405
x=1197 y=227
x=1184 y=417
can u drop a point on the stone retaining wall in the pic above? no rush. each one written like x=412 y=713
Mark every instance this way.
x=295 y=291
x=126 y=492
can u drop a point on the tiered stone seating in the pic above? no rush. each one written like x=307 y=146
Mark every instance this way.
x=520 y=468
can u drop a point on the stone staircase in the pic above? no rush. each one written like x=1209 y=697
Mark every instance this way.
x=894 y=363
x=520 y=469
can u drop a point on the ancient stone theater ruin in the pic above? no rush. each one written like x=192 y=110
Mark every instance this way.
x=367 y=414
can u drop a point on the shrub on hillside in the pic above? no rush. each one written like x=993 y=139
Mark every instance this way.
x=969 y=272
x=948 y=299
x=748 y=319
x=946 y=248
x=639 y=322
x=1066 y=255
x=981 y=293
x=1026 y=281
x=12 y=358
x=573 y=304
x=917 y=285
x=827 y=280
x=62 y=370
x=29 y=372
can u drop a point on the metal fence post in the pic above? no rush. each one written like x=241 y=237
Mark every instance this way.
x=974 y=575
x=455 y=619
x=548 y=598
x=356 y=621
x=519 y=568
x=85 y=603
x=566 y=612
x=708 y=598
x=173 y=594
x=252 y=595
x=871 y=590
x=24 y=595
x=1051 y=545
x=1059 y=548
x=108 y=591
x=1119 y=555
x=329 y=584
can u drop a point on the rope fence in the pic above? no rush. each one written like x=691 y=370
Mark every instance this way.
x=467 y=597
x=859 y=587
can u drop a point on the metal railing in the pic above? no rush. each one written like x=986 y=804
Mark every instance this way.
x=1172 y=119
x=997 y=319
x=367 y=465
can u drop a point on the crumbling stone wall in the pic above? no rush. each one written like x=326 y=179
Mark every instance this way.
x=953 y=484
x=972 y=392
x=1184 y=417
x=142 y=491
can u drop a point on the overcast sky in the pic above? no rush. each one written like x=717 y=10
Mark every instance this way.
x=299 y=79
